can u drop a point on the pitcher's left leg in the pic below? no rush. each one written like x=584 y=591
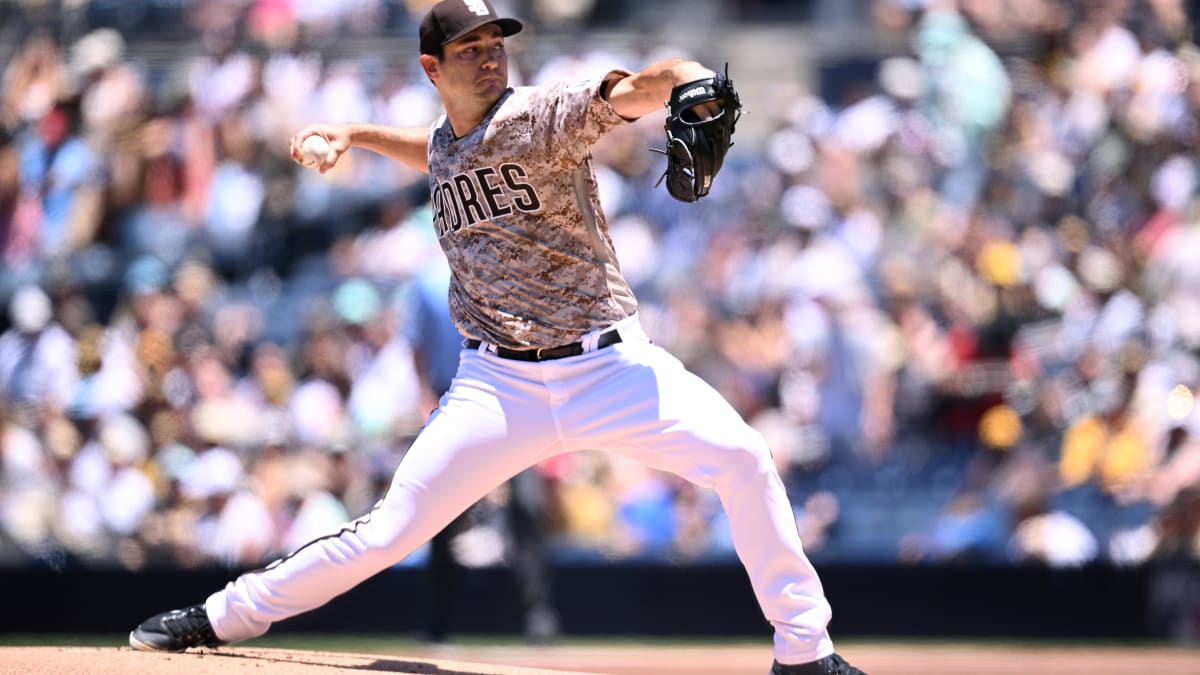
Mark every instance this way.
x=465 y=449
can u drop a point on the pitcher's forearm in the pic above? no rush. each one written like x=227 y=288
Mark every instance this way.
x=403 y=144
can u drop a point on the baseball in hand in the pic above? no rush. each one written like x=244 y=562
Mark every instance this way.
x=313 y=150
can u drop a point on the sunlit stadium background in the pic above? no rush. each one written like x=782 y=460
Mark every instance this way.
x=949 y=270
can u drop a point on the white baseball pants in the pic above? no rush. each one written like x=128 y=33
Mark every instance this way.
x=501 y=416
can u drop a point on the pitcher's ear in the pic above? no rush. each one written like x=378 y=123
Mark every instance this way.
x=429 y=64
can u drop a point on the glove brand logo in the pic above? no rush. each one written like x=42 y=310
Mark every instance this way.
x=477 y=7
x=691 y=93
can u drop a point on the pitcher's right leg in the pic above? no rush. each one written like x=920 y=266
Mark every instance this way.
x=639 y=401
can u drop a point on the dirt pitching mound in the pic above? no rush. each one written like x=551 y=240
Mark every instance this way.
x=614 y=659
x=234 y=661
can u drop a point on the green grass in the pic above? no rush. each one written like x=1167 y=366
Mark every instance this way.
x=61 y=640
x=321 y=642
x=386 y=644
x=370 y=644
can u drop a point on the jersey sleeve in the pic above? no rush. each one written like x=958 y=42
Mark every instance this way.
x=571 y=116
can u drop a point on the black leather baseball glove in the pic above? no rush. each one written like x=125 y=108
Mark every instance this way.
x=696 y=148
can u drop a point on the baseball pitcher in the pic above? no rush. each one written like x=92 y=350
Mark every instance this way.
x=554 y=358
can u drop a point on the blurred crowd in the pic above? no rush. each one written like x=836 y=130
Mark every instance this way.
x=958 y=299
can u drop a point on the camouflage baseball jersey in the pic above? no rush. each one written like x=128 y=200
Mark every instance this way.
x=516 y=209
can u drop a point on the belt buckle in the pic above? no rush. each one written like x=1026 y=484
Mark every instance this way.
x=537 y=354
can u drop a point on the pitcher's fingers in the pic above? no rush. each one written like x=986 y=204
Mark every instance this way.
x=295 y=146
x=707 y=110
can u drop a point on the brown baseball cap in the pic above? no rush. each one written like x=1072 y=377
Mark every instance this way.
x=451 y=19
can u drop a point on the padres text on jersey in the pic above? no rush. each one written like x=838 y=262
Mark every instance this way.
x=517 y=211
x=482 y=194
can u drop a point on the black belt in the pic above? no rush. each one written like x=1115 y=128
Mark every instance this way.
x=607 y=339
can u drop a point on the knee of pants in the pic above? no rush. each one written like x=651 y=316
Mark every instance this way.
x=393 y=531
x=750 y=459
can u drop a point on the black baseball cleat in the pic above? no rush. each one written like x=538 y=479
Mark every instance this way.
x=175 y=631
x=830 y=665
